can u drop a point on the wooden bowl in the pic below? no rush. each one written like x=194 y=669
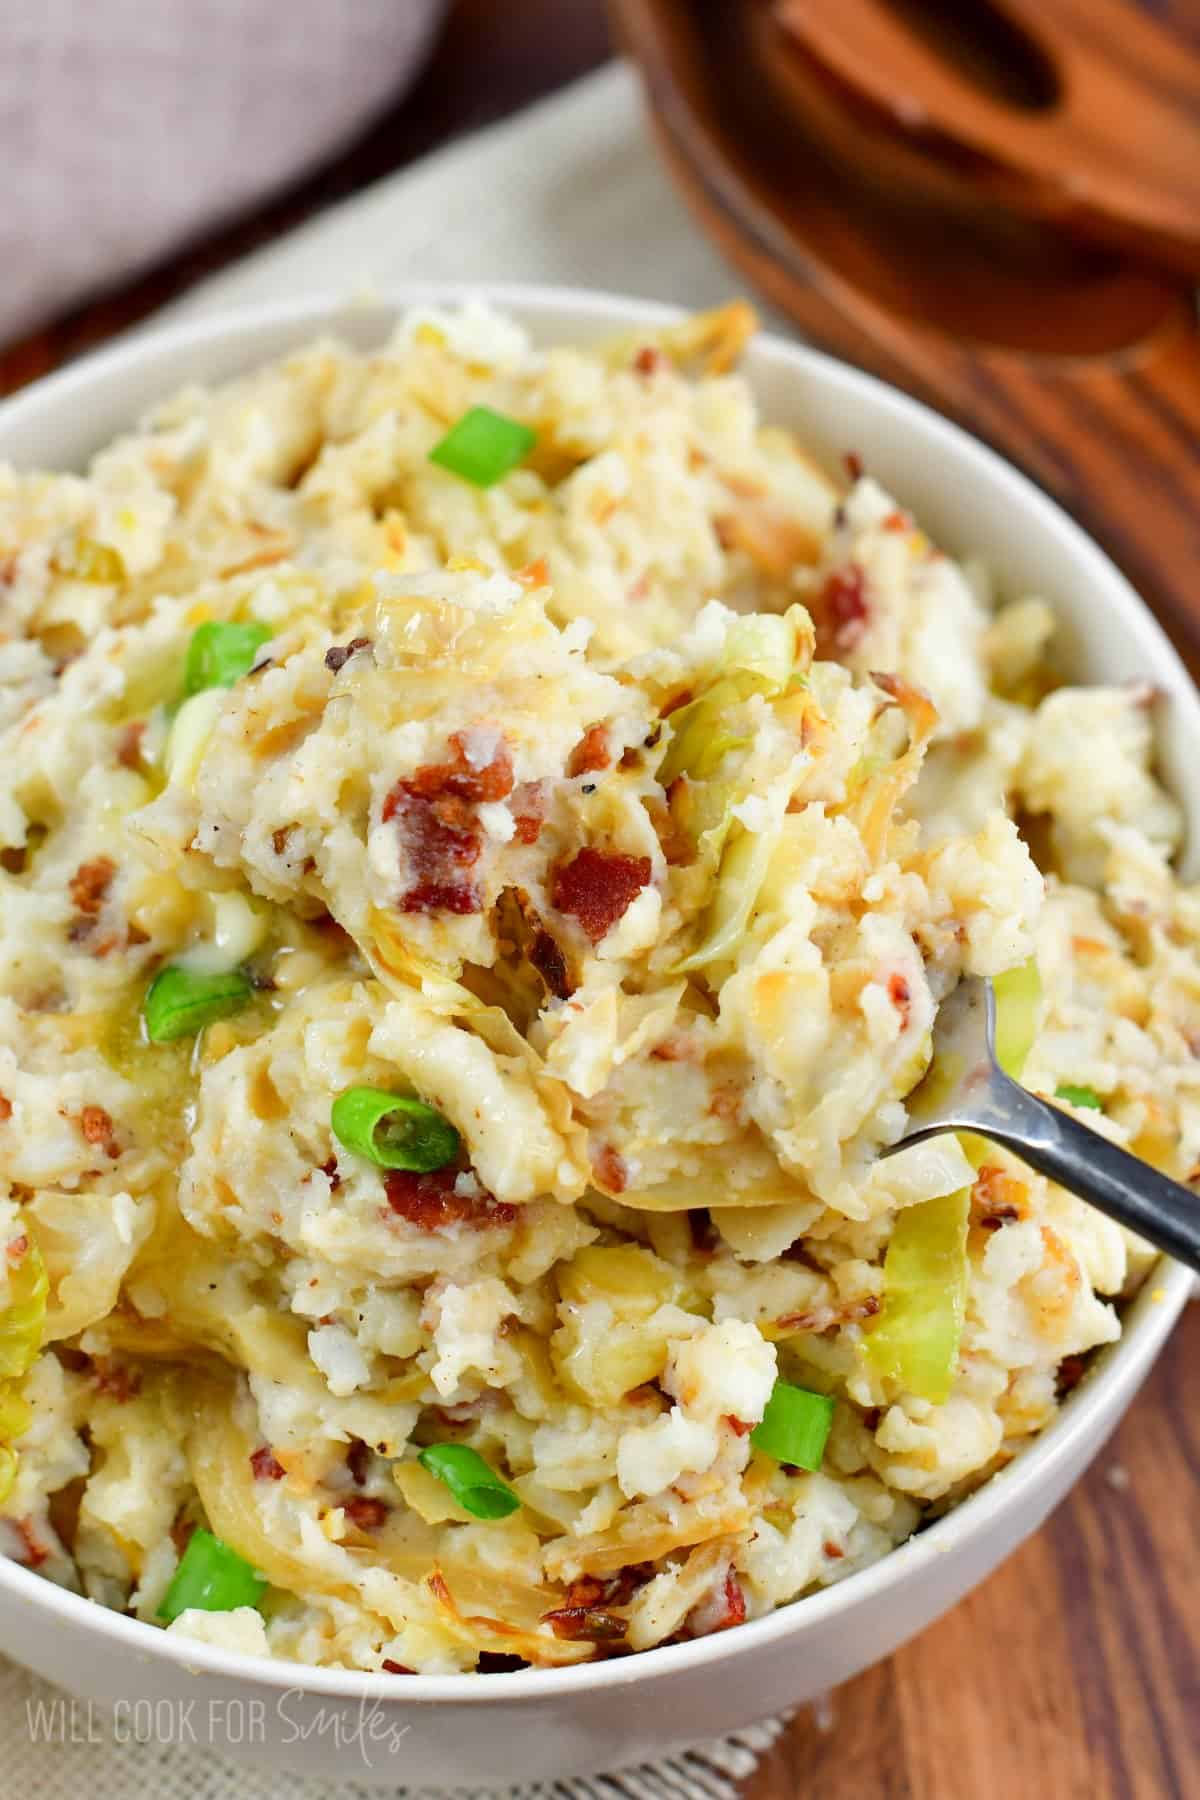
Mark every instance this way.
x=1079 y=364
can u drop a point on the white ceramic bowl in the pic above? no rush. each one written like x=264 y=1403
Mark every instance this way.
x=464 y=1729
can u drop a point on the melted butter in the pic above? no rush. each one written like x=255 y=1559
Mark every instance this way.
x=162 y=1075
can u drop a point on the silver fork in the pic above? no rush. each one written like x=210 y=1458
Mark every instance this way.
x=966 y=1090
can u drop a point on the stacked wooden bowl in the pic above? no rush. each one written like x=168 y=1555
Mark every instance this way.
x=996 y=206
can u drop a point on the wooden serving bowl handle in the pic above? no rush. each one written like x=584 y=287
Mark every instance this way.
x=1103 y=128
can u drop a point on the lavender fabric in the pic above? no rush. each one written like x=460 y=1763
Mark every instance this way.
x=128 y=127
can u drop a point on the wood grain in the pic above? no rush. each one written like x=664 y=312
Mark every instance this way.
x=1074 y=1671
x=1046 y=141
x=1081 y=366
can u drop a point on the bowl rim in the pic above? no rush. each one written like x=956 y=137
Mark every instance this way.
x=1095 y=1406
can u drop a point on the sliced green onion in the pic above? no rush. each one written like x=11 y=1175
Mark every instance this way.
x=1079 y=1096
x=180 y=1002
x=914 y=1341
x=220 y=654
x=795 y=1425
x=483 y=446
x=1018 y=1014
x=212 y=1577
x=478 y=1489
x=393 y=1130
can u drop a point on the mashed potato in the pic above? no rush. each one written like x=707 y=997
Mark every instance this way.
x=631 y=815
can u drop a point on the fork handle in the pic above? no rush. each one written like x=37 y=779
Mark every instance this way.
x=1130 y=1191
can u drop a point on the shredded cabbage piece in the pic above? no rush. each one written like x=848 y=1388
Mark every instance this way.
x=740 y=877
x=1018 y=1015
x=880 y=786
x=914 y=1341
x=20 y=1337
x=761 y=655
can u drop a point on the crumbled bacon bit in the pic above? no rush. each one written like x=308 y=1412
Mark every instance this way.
x=997 y=1198
x=364 y=1513
x=499 y=1662
x=832 y=1550
x=129 y=744
x=442 y=896
x=1002 y=1215
x=266 y=1465
x=853 y=464
x=900 y=996
x=896 y=521
x=588 y=1591
x=550 y=963
x=461 y=778
x=117 y=1380
x=35 y=1551
x=394 y=1668
x=584 y=1591
x=97 y=1128
x=279 y=838
x=735 y=1603
x=610 y=1171
x=576 y=1622
x=591 y=752
x=649 y=360
x=358 y=1461
x=442 y=843
x=820 y=1319
x=739 y=1427
x=330 y=1168
x=528 y=806
x=431 y=1203
x=534 y=575
x=840 y=611
x=5 y=1108
x=596 y=887
x=725 y=1607
x=439 y=829
x=90 y=883
x=338 y=655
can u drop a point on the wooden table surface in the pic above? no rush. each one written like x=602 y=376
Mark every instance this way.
x=1075 y=1671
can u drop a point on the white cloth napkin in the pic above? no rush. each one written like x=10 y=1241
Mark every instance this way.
x=130 y=126
x=568 y=192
